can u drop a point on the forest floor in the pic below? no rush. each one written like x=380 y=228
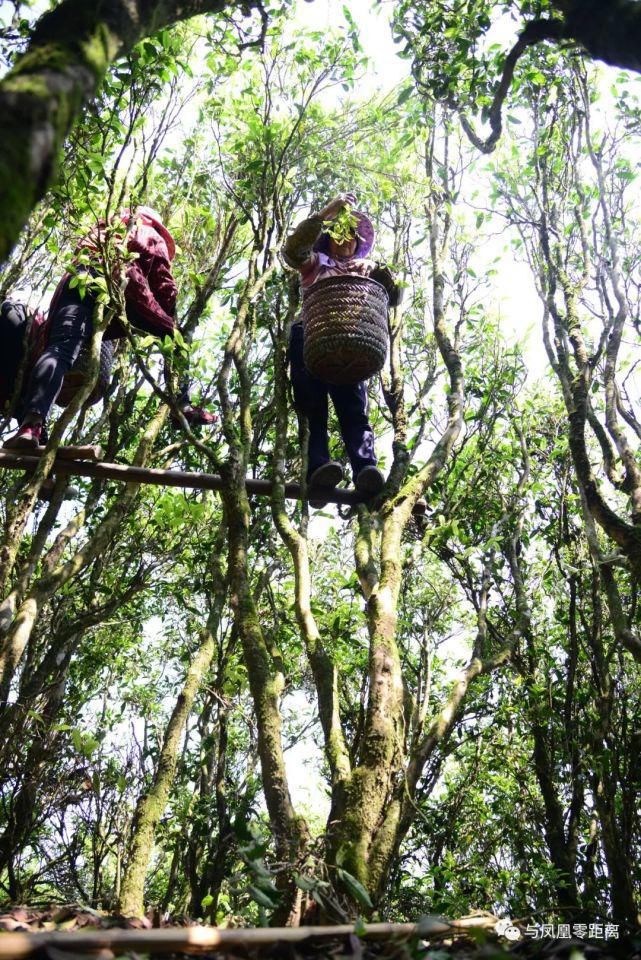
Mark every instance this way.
x=57 y=927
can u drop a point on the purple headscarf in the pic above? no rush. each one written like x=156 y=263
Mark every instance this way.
x=365 y=236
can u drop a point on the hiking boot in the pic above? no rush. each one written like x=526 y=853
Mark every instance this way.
x=370 y=481
x=27 y=438
x=327 y=476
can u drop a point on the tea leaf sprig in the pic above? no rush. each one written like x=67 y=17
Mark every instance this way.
x=343 y=227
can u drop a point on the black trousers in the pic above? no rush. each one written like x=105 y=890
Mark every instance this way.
x=69 y=330
x=13 y=345
x=350 y=402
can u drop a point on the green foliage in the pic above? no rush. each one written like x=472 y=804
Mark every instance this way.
x=539 y=764
x=343 y=227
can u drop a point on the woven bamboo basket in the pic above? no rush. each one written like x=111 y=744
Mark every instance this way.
x=77 y=376
x=345 y=323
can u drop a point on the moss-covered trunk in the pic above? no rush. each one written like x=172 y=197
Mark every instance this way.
x=264 y=665
x=151 y=805
x=56 y=78
x=266 y=682
x=367 y=836
x=360 y=846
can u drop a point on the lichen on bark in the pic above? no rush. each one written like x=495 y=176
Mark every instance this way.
x=43 y=95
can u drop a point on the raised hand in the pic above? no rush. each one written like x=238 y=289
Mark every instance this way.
x=334 y=207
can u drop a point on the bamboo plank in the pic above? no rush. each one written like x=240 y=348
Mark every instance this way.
x=12 y=460
x=89 y=452
x=197 y=940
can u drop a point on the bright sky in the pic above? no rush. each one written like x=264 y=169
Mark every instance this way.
x=373 y=20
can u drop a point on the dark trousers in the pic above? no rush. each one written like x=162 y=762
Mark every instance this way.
x=69 y=330
x=13 y=334
x=350 y=403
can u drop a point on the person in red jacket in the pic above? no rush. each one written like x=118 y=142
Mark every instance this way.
x=150 y=299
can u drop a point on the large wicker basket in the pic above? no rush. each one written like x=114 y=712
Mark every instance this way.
x=77 y=376
x=345 y=323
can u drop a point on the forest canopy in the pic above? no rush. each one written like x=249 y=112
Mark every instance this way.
x=246 y=710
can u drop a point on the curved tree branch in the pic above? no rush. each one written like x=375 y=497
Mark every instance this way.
x=45 y=93
x=535 y=32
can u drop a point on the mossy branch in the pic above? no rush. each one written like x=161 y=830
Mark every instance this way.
x=61 y=71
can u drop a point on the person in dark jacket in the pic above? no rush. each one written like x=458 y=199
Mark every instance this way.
x=150 y=299
x=316 y=254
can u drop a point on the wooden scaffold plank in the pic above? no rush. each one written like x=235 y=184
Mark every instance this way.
x=197 y=940
x=125 y=473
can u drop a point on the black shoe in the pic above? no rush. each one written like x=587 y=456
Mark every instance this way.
x=327 y=476
x=45 y=492
x=370 y=481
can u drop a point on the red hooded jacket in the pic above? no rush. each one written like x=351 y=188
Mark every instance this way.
x=150 y=293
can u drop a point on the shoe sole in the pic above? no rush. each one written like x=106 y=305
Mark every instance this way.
x=21 y=443
x=369 y=486
x=331 y=476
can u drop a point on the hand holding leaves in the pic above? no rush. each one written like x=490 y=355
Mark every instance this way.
x=335 y=206
x=342 y=227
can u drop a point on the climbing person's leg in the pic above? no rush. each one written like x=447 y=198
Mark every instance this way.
x=13 y=332
x=310 y=398
x=350 y=403
x=69 y=329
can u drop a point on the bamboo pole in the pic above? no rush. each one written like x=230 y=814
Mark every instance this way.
x=175 y=478
x=197 y=940
x=89 y=452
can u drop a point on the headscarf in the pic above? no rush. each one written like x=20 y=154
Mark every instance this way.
x=152 y=219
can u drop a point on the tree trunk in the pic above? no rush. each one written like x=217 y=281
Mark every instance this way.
x=151 y=805
x=46 y=92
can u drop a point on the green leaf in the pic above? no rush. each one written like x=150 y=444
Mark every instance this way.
x=356 y=888
x=260 y=897
x=304 y=883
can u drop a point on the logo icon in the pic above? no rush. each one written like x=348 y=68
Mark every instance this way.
x=505 y=928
